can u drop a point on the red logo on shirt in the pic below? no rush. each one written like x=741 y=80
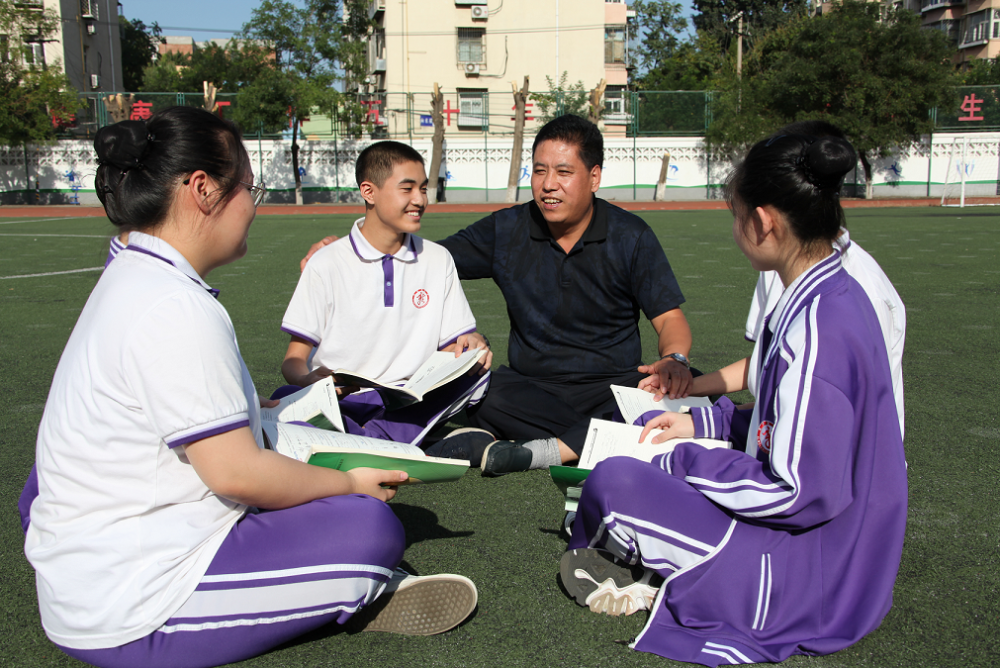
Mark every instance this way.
x=764 y=435
x=421 y=298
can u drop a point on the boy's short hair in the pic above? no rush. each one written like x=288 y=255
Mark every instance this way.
x=376 y=162
x=574 y=130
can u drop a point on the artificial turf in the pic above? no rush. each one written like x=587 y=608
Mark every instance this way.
x=504 y=532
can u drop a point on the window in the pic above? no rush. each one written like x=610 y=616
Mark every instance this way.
x=472 y=112
x=88 y=9
x=34 y=53
x=614 y=45
x=977 y=27
x=614 y=104
x=376 y=51
x=470 y=45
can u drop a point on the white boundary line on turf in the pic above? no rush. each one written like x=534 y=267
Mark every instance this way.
x=35 y=220
x=28 y=234
x=53 y=273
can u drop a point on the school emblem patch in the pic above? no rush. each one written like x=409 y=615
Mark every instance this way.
x=421 y=298
x=764 y=435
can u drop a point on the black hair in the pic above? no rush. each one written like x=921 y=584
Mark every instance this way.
x=800 y=176
x=574 y=130
x=140 y=163
x=812 y=129
x=376 y=162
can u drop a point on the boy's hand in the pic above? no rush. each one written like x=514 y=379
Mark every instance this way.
x=325 y=241
x=666 y=377
x=267 y=403
x=674 y=425
x=314 y=376
x=371 y=481
x=473 y=341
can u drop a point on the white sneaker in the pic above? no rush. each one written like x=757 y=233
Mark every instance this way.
x=594 y=579
x=422 y=605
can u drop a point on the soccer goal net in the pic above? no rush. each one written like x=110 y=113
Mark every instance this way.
x=973 y=173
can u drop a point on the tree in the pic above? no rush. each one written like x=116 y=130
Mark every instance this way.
x=876 y=77
x=981 y=72
x=305 y=42
x=138 y=49
x=714 y=18
x=561 y=99
x=36 y=96
x=659 y=38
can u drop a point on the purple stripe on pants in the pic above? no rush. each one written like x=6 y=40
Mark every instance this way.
x=338 y=530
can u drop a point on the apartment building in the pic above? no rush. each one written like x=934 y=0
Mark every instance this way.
x=973 y=25
x=474 y=49
x=86 y=42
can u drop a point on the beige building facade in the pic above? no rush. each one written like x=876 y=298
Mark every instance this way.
x=474 y=49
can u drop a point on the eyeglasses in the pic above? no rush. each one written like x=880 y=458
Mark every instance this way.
x=256 y=191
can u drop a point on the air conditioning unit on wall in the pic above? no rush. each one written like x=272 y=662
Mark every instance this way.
x=481 y=12
x=91 y=29
x=95 y=81
x=471 y=68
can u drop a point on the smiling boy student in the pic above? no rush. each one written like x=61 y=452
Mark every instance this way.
x=380 y=301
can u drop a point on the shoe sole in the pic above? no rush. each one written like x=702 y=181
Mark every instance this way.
x=595 y=581
x=425 y=608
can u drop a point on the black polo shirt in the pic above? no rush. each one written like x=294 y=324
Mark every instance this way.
x=577 y=312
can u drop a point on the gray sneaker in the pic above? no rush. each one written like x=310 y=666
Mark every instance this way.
x=506 y=457
x=466 y=443
x=421 y=605
x=593 y=578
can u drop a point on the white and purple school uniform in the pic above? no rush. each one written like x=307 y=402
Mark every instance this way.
x=137 y=561
x=383 y=316
x=789 y=547
x=114 y=248
x=883 y=296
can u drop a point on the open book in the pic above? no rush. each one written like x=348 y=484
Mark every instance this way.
x=315 y=404
x=346 y=451
x=614 y=439
x=439 y=369
x=633 y=402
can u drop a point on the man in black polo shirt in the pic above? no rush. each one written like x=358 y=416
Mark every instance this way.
x=575 y=272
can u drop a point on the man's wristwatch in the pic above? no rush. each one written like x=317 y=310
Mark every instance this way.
x=678 y=357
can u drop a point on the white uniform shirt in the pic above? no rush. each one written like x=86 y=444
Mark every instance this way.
x=888 y=307
x=377 y=314
x=123 y=529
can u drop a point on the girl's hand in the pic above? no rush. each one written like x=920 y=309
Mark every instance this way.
x=674 y=425
x=371 y=481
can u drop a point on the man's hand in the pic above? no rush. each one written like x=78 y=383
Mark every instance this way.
x=667 y=377
x=371 y=481
x=674 y=425
x=472 y=341
x=325 y=241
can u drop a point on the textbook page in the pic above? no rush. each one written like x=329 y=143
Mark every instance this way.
x=300 y=442
x=614 y=439
x=318 y=400
x=633 y=402
x=440 y=368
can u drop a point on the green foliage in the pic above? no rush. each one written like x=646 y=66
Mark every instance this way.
x=876 y=78
x=660 y=27
x=692 y=65
x=228 y=68
x=981 y=72
x=36 y=97
x=561 y=99
x=138 y=50
x=715 y=19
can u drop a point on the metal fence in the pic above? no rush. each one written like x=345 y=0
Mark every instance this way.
x=466 y=114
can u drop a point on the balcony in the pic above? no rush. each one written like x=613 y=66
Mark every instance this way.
x=931 y=5
x=375 y=8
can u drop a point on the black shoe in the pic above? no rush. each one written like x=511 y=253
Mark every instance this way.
x=506 y=457
x=466 y=443
x=596 y=580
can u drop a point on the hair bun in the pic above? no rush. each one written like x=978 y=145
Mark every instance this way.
x=123 y=144
x=827 y=161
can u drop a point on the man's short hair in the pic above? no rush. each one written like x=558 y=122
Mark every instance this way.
x=575 y=130
x=376 y=162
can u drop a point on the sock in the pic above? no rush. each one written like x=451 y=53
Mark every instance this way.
x=544 y=453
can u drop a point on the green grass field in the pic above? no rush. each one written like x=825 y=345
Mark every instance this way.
x=504 y=532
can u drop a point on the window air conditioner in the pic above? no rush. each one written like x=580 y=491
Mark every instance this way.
x=481 y=12
x=471 y=68
x=91 y=29
x=95 y=81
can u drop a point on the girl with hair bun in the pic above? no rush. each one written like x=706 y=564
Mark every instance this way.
x=144 y=534
x=790 y=542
